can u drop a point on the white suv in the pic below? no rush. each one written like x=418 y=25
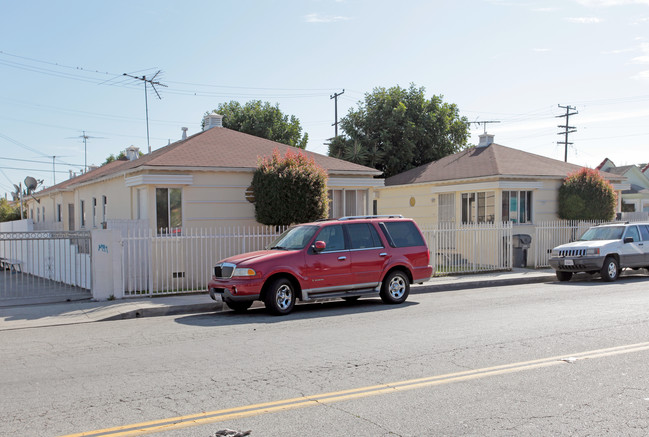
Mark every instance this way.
x=604 y=249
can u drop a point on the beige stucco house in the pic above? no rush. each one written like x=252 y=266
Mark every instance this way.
x=199 y=181
x=489 y=183
x=636 y=197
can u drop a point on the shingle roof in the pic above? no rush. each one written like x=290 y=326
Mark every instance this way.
x=636 y=189
x=620 y=170
x=218 y=147
x=492 y=160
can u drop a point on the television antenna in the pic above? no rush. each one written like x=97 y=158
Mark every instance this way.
x=484 y=123
x=153 y=83
x=85 y=149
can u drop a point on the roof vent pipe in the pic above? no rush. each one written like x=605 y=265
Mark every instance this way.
x=184 y=129
x=212 y=120
x=485 y=140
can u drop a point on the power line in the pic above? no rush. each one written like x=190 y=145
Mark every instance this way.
x=31 y=169
x=38 y=162
x=19 y=144
x=114 y=81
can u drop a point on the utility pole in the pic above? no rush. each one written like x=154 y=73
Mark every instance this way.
x=146 y=100
x=335 y=97
x=567 y=128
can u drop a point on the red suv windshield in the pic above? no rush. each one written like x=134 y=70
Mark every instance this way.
x=295 y=238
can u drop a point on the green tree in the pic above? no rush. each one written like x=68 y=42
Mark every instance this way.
x=120 y=156
x=289 y=190
x=8 y=212
x=396 y=129
x=263 y=120
x=585 y=195
x=112 y=157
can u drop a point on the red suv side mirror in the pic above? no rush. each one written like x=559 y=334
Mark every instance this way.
x=319 y=246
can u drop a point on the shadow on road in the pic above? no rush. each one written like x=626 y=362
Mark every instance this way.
x=258 y=314
x=596 y=279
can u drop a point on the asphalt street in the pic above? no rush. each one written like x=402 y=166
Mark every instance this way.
x=538 y=359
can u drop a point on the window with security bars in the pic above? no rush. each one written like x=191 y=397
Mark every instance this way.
x=446 y=208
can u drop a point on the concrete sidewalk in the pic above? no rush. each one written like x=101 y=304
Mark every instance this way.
x=53 y=314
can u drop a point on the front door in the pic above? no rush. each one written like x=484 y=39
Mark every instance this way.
x=71 y=217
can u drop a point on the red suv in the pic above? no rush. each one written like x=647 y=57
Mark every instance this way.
x=345 y=258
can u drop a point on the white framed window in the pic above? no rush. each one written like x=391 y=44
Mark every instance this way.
x=82 y=213
x=479 y=207
x=94 y=212
x=347 y=202
x=517 y=206
x=59 y=213
x=169 y=215
x=446 y=208
x=104 y=203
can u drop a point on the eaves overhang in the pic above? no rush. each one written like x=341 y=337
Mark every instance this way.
x=159 y=179
x=478 y=179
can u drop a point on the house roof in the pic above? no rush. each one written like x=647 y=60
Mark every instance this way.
x=620 y=170
x=492 y=160
x=636 y=189
x=218 y=147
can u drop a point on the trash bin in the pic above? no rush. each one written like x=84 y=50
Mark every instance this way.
x=520 y=244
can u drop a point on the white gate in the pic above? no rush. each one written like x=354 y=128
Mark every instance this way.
x=44 y=263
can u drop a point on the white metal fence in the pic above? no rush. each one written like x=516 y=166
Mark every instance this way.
x=634 y=216
x=38 y=262
x=155 y=263
x=183 y=262
x=554 y=233
x=469 y=248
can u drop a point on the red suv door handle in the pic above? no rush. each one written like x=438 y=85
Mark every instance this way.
x=383 y=254
x=342 y=258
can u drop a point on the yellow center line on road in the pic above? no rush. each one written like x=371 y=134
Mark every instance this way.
x=344 y=395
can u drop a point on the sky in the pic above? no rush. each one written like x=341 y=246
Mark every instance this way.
x=62 y=68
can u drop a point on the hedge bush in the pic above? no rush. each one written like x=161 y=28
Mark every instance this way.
x=289 y=190
x=585 y=195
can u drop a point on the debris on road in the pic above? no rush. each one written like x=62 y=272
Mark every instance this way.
x=231 y=433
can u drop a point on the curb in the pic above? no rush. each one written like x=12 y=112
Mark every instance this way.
x=434 y=288
x=166 y=311
x=420 y=289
